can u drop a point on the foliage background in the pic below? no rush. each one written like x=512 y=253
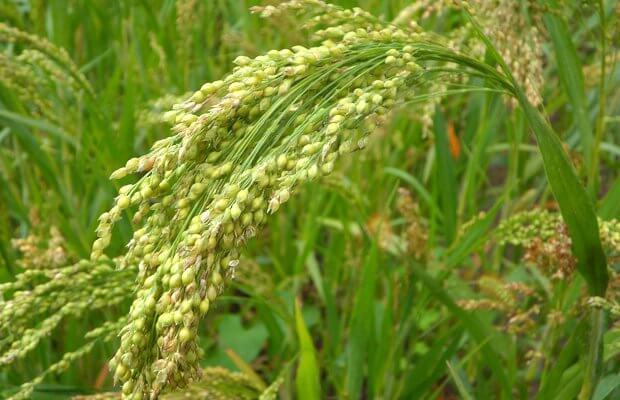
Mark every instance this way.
x=384 y=321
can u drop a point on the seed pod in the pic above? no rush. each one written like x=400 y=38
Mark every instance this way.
x=235 y=212
x=204 y=306
x=188 y=276
x=185 y=335
x=122 y=202
x=211 y=293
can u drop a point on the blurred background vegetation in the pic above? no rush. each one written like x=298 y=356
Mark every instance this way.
x=405 y=285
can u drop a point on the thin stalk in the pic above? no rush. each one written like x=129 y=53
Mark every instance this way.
x=600 y=120
x=597 y=317
x=594 y=356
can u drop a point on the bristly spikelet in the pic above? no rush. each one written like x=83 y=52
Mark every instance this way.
x=546 y=242
x=186 y=22
x=416 y=234
x=26 y=85
x=154 y=112
x=248 y=151
x=216 y=384
x=37 y=73
x=518 y=303
x=42 y=297
x=518 y=40
x=55 y=293
x=106 y=332
x=240 y=148
x=45 y=51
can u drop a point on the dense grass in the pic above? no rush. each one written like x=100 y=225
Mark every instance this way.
x=373 y=318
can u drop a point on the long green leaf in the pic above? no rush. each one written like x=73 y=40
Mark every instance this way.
x=571 y=77
x=575 y=205
x=446 y=177
x=307 y=380
x=606 y=386
x=476 y=234
x=610 y=206
x=459 y=378
x=42 y=125
x=362 y=325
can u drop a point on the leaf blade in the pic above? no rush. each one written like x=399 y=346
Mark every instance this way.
x=307 y=380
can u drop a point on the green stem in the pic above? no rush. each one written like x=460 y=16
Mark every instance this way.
x=597 y=316
x=595 y=352
x=600 y=121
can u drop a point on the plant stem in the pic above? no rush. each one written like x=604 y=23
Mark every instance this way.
x=600 y=121
x=597 y=316
x=594 y=356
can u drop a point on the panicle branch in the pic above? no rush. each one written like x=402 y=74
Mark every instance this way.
x=240 y=148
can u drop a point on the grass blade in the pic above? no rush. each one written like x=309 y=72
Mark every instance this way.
x=446 y=177
x=474 y=326
x=606 y=386
x=461 y=384
x=575 y=204
x=41 y=125
x=610 y=206
x=362 y=325
x=418 y=187
x=307 y=380
x=571 y=77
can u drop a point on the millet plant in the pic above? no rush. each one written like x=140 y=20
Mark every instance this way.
x=241 y=147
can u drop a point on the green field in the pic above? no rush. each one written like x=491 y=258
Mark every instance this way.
x=234 y=199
